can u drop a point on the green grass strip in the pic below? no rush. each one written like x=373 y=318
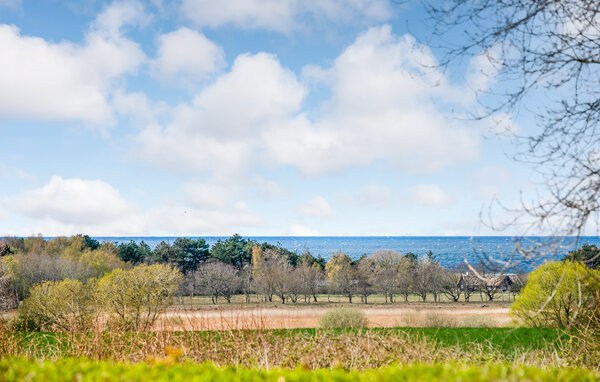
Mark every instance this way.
x=69 y=369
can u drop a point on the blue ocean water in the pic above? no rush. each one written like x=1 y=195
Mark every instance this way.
x=448 y=250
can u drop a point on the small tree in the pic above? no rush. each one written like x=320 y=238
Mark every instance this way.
x=557 y=294
x=385 y=272
x=450 y=284
x=218 y=279
x=310 y=276
x=136 y=297
x=66 y=305
x=364 y=272
x=341 y=274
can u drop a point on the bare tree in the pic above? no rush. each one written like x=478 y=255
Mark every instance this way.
x=310 y=276
x=451 y=285
x=386 y=272
x=365 y=269
x=262 y=278
x=534 y=48
x=215 y=279
x=422 y=278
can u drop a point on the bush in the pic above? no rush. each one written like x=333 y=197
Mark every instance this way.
x=343 y=318
x=557 y=294
x=66 y=305
x=136 y=297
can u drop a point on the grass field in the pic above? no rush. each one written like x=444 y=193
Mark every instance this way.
x=309 y=348
x=165 y=370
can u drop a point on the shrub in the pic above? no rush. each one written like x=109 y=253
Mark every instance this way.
x=344 y=318
x=66 y=305
x=557 y=294
x=136 y=297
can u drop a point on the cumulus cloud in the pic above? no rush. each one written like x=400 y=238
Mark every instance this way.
x=68 y=206
x=185 y=55
x=283 y=15
x=65 y=81
x=219 y=131
x=381 y=109
x=317 y=207
x=429 y=195
x=73 y=201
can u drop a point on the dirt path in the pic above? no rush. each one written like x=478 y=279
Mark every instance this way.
x=308 y=317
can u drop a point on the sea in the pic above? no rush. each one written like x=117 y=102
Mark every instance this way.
x=524 y=253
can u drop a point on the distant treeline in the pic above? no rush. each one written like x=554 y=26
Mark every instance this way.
x=242 y=266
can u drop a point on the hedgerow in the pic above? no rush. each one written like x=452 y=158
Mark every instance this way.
x=18 y=369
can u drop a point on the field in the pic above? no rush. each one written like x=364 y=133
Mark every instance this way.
x=72 y=370
x=196 y=340
x=282 y=317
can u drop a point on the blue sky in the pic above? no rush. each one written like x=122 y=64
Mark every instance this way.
x=200 y=117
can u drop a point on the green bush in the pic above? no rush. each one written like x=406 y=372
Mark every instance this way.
x=135 y=298
x=343 y=318
x=557 y=294
x=66 y=305
x=21 y=369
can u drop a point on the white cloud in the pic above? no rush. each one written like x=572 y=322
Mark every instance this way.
x=220 y=130
x=65 y=81
x=185 y=55
x=317 y=207
x=69 y=206
x=73 y=201
x=429 y=195
x=382 y=110
x=283 y=15
x=300 y=230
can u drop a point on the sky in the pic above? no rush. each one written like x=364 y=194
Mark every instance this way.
x=258 y=117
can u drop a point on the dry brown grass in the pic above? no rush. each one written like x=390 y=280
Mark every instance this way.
x=233 y=318
x=263 y=349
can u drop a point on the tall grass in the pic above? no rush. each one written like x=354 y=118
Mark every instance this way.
x=313 y=349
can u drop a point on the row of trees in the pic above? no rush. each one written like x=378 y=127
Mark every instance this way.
x=241 y=266
x=386 y=272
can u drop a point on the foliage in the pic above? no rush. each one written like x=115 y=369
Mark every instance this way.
x=136 y=297
x=76 y=369
x=341 y=274
x=343 y=318
x=134 y=253
x=236 y=251
x=190 y=253
x=587 y=254
x=557 y=294
x=28 y=269
x=58 y=305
